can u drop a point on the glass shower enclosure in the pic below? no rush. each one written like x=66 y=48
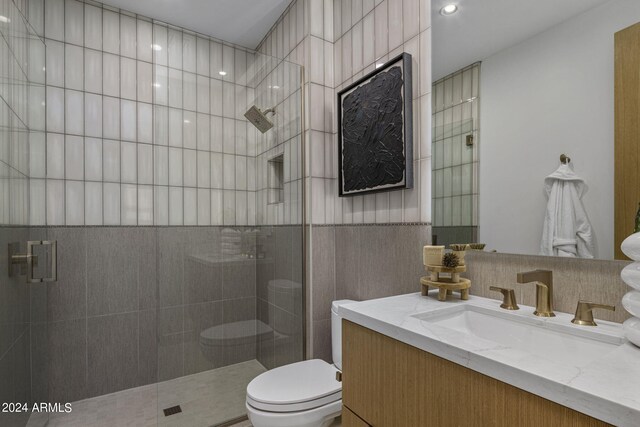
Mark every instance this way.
x=151 y=237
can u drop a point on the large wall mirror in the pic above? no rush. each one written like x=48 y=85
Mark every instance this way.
x=516 y=85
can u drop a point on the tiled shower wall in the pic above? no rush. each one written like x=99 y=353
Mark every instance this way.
x=142 y=128
x=456 y=116
x=339 y=41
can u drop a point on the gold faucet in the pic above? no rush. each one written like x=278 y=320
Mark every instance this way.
x=508 y=298
x=584 y=315
x=544 y=290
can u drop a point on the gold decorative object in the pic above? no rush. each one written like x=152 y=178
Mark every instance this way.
x=460 y=251
x=477 y=246
x=432 y=255
x=450 y=260
x=451 y=281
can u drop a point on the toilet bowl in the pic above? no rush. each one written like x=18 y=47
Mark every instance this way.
x=302 y=394
x=240 y=335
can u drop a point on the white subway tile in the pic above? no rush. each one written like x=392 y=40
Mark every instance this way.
x=161 y=81
x=73 y=64
x=93 y=159
x=202 y=94
x=55 y=202
x=202 y=56
x=175 y=166
x=189 y=129
x=204 y=206
x=128 y=36
x=189 y=91
x=128 y=77
x=161 y=165
x=161 y=204
x=175 y=49
x=128 y=120
x=37 y=200
x=176 y=123
x=55 y=156
x=74 y=202
x=54 y=19
x=111 y=161
x=110 y=32
x=128 y=162
x=145 y=164
x=228 y=172
x=204 y=169
x=74 y=157
x=161 y=125
x=129 y=204
x=190 y=206
x=55 y=63
x=92 y=71
x=145 y=205
x=145 y=123
x=189 y=168
x=145 y=82
x=92 y=26
x=203 y=132
x=215 y=59
x=159 y=45
x=216 y=170
x=176 y=201
x=55 y=109
x=189 y=52
x=111 y=197
x=381 y=29
x=145 y=40
x=175 y=88
x=111 y=74
x=74 y=112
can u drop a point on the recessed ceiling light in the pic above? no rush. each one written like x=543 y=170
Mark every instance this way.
x=222 y=73
x=4 y=19
x=156 y=47
x=449 y=9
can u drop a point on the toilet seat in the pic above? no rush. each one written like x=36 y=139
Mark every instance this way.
x=299 y=386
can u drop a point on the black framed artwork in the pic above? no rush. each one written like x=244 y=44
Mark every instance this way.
x=375 y=131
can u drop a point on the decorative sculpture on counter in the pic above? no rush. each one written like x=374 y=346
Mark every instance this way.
x=445 y=275
x=631 y=276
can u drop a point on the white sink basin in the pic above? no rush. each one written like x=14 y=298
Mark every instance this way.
x=554 y=339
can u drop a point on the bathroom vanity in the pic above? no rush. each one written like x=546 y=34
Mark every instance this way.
x=411 y=360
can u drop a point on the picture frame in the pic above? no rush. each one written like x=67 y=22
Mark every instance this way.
x=375 y=131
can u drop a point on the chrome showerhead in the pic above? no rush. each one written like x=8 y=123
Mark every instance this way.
x=259 y=118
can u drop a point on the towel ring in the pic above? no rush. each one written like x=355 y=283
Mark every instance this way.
x=564 y=159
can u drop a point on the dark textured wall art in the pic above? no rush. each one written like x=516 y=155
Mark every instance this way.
x=375 y=131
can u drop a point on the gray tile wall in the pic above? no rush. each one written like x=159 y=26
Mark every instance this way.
x=362 y=262
x=131 y=302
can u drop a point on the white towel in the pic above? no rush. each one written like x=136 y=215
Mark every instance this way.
x=566 y=231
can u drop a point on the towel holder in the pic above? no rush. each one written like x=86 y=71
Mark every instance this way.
x=564 y=159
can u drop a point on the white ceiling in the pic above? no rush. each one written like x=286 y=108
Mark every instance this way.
x=481 y=28
x=242 y=22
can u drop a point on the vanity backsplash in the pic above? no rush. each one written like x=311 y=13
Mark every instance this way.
x=573 y=280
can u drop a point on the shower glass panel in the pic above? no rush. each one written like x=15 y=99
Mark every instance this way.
x=23 y=379
x=230 y=281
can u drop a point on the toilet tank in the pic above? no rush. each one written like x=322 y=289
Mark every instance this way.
x=336 y=332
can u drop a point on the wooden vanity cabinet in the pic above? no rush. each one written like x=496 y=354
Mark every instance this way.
x=387 y=383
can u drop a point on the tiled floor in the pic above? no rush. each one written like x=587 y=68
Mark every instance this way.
x=207 y=398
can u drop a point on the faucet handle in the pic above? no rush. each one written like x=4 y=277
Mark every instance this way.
x=584 y=315
x=508 y=298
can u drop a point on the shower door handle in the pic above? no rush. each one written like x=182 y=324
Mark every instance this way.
x=24 y=263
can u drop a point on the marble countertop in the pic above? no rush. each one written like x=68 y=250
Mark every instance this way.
x=607 y=388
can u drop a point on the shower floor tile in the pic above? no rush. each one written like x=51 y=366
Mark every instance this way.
x=207 y=398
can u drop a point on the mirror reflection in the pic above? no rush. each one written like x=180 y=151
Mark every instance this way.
x=524 y=125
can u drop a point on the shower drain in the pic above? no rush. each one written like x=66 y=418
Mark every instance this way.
x=172 y=410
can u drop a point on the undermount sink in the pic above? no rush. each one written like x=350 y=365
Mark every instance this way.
x=548 y=339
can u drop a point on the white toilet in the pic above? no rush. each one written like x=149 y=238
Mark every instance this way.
x=302 y=394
